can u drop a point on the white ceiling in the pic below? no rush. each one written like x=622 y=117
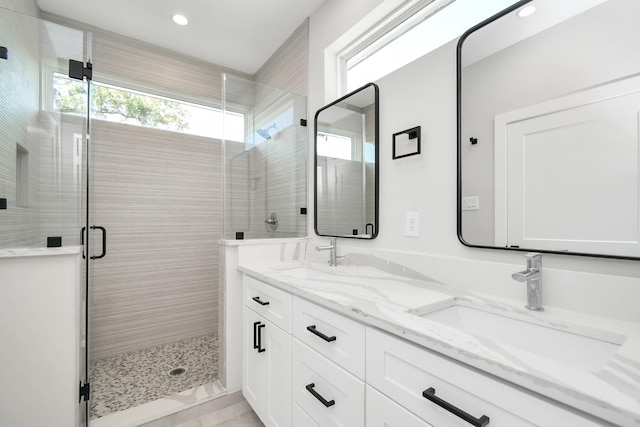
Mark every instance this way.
x=239 y=34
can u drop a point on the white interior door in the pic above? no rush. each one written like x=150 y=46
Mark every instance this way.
x=572 y=176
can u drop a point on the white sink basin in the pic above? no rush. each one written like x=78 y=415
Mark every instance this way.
x=531 y=341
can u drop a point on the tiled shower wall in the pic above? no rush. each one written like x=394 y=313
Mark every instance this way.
x=159 y=195
x=18 y=114
x=278 y=175
x=43 y=200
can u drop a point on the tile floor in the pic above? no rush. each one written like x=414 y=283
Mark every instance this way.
x=238 y=415
x=127 y=380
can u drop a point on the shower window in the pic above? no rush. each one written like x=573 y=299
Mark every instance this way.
x=120 y=105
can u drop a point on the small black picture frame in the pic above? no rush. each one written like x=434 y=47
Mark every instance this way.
x=406 y=143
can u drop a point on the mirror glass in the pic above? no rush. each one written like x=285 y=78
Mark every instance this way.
x=548 y=129
x=346 y=166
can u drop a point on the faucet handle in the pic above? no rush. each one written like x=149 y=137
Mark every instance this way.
x=534 y=260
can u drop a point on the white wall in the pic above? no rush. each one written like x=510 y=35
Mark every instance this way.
x=423 y=93
x=28 y=7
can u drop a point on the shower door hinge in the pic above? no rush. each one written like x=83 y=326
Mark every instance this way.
x=85 y=392
x=4 y=52
x=78 y=71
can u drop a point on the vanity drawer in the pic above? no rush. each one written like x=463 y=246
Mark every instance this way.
x=384 y=412
x=334 y=336
x=271 y=303
x=328 y=394
x=403 y=371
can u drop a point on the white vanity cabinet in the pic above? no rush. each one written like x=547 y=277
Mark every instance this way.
x=384 y=412
x=426 y=383
x=308 y=366
x=266 y=364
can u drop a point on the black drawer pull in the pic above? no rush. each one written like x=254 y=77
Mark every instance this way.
x=260 y=349
x=255 y=334
x=322 y=400
x=257 y=299
x=314 y=331
x=430 y=394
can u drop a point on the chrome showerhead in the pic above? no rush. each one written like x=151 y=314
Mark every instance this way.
x=265 y=131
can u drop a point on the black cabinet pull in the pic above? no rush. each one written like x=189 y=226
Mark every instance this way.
x=322 y=400
x=257 y=299
x=314 y=331
x=430 y=394
x=260 y=349
x=255 y=335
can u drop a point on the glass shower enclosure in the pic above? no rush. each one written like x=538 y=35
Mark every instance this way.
x=265 y=161
x=59 y=190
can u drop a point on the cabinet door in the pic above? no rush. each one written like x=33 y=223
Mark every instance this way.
x=330 y=395
x=301 y=418
x=384 y=412
x=253 y=365
x=276 y=399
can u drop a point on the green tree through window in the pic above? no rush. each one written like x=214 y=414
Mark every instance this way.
x=119 y=105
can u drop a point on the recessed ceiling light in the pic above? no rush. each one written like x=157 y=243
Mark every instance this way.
x=526 y=11
x=180 y=19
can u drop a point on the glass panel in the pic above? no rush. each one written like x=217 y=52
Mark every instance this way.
x=265 y=173
x=40 y=151
x=156 y=193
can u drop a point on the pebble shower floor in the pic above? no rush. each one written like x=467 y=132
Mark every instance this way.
x=127 y=380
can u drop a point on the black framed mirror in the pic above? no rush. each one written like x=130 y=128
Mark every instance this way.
x=346 y=166
x=548 y=118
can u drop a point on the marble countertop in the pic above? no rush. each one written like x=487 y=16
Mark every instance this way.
x=31 y=252
x=392 y=298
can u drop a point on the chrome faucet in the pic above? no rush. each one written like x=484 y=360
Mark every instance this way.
x=331 y=247
x=533 y=276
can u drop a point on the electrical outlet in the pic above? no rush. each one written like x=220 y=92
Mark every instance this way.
x=412 y=224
